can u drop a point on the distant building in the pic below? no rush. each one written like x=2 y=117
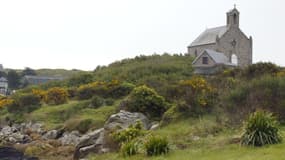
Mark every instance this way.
x=35 y=80
x=3 y=86
x=227 y=40
x=1 y=68
x=210 y=62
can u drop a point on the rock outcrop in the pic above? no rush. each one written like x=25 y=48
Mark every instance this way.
x=71 y=138
x=98 y=140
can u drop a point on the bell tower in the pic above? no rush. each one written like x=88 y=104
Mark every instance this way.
x=233 y=18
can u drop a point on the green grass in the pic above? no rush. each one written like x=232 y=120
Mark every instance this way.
x=213 y=144
x=58 y=72
x=71 y=114
x=228 y=152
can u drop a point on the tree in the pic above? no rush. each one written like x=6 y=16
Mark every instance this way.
x=28 y=71
x=13 y=79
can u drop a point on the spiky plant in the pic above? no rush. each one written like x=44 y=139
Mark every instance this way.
x=260 y=129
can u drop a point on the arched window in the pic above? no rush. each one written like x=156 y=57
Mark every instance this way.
x=234 y=59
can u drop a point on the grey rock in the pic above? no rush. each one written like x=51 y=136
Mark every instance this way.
x=53 y=134
x=35 y=127
x=89 y=138
x=71 y=138
x=195 y=138
x=96 y=141
x=11 y=135
x=124 y=119
x=7 y=130
x=154 y=126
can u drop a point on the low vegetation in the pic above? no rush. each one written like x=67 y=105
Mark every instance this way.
x=200 y=116
x=145 y=100
x=261 y=128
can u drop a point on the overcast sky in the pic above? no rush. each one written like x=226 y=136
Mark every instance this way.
x=82 y=34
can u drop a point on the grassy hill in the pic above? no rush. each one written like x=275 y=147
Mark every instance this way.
x=58 y=72
x=202 y=116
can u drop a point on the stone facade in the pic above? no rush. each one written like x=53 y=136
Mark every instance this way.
x=228 y=39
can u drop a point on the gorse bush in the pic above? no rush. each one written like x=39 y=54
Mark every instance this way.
x=260 y=129
x=56 y=95
x=197 y=95
x=5 y=102
x=145 y=100
x=24 y=103
x=156 y=145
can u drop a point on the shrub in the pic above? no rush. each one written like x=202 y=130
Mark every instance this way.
x=97 y=101
x=87 y=91
x=40 y=93
x=267 y=92
x=129 y=133
x=145 y=100
x=5 y=102
x=84 y=125
x=172 y=114
x=156 y=145
x=109 y=101
x=80 y=79
x=56 y=95
x=197 y=95
x=130 y=148
x=261 y=128
x=84 y=92
x=260 y=68
x=81 y=125
x=71 y=92
x=24 y=103
x=121 y=90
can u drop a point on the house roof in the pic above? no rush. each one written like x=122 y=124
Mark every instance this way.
x=217 y=57
x=209 y=36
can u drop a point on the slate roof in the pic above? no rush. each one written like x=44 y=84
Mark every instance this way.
x=217 y=57
x=209 y=36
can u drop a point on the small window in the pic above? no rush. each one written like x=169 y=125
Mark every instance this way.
x=196 y=54
x=205 y=60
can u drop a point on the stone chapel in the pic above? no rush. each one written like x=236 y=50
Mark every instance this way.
x=221 y=46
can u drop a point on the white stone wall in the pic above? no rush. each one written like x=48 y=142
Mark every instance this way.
x=200 y=49
x=242 y=49
x=199 y=62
